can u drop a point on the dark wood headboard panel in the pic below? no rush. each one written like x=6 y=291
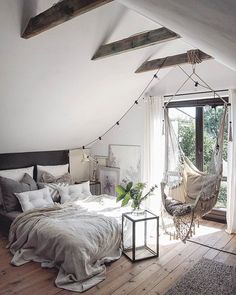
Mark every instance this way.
x=22 y=160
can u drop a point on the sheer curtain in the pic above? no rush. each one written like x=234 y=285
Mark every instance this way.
x=154 y=148
x=231 y=179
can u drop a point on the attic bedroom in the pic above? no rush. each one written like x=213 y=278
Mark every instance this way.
x=117 y=151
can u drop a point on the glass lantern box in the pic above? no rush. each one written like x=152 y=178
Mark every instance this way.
x=140 y=235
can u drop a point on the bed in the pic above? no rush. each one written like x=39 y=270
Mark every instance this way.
x=78 y=237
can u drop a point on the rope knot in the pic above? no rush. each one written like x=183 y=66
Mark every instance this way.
x=194 y=56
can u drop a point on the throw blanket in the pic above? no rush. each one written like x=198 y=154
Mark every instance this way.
x=69 y=237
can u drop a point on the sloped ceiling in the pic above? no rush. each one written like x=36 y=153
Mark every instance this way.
x=206 y=24
x=53 y=96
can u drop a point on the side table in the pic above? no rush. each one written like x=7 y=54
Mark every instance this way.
x=140 y=235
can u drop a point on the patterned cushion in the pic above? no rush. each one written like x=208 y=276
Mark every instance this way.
x=176 y=208
x=53 y=189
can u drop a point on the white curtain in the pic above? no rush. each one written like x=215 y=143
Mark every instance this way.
x=231 y=179
x=154 y=148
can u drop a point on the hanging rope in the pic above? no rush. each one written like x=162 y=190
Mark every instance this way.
x=206 y=86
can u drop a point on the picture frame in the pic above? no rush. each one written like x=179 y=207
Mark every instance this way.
x=109 y=178
x=128 y=159
x=102 y=160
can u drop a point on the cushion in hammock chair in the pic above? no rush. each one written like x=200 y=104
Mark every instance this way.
x=176 y=208
x=201 y=184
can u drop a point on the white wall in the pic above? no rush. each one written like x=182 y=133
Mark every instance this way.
x=131 y=131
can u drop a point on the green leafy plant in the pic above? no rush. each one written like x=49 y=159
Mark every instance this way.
x=133 y=192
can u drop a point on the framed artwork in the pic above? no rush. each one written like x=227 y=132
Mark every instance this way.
x=102 y=160
x=128 y=159
x=109 y=178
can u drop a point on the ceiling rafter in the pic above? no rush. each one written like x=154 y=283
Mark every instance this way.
x=169 y=61
x=137 y=41
x=58 y=14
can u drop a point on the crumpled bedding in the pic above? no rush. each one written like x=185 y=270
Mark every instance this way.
x=72 y=237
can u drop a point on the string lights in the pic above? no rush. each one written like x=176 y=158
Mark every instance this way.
x=193 y=58
x=136 y=102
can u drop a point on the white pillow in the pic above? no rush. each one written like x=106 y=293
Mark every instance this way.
x=75 y=192
x=56 y=170
x=17 y=174
x=35 y=199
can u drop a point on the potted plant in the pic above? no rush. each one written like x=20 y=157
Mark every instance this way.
x=133 y=192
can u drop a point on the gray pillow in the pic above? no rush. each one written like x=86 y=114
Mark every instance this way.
x=9 y=187
x=49 y=178
x=30 y=181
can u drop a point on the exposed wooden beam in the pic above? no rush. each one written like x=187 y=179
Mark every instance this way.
x=135 y=42
x=168 y=61
x=58 y=14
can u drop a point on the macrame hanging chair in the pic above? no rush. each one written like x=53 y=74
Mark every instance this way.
x=188 y=193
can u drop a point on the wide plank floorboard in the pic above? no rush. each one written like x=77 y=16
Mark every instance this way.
x=154 y=276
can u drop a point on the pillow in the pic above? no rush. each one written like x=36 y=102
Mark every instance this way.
x=9 y=187
x=49 y=178
x=56 y=170
x=76 y=191
x=204 y=184
x=194 y=185
x=53 y=189
x=17 y=174
x=35 y=199
x=30 y=181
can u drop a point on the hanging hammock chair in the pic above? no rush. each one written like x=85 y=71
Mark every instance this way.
x=188 y=193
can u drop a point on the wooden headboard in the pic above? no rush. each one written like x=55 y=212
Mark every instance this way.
x=22 y=160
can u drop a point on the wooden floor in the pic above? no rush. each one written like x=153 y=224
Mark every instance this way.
x=154 y=276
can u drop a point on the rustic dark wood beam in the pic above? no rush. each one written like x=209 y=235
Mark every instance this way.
x=169 y=61
x=135 y=42
x=58 y=14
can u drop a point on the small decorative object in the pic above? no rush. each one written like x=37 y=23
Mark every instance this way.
x=133 y=192
x=78 y=168
x=128 y=159
x=94 y=161
x=109 y=178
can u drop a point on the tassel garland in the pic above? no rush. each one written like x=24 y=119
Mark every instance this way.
x=230 y=132
x=163 y=127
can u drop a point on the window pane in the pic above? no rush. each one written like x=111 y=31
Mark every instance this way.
x=212 y=120
x=222 y=198
x=183 y=121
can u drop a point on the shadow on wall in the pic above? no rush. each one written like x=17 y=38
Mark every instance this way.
x=28 y=9
x=107 y=26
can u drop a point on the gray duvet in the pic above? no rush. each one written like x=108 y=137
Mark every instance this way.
x=69 y=237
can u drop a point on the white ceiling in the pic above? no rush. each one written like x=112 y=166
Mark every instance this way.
x=54 y=97
x=206 y=24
